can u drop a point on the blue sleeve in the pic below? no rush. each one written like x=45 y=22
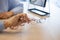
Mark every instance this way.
x=2 y=26
x=17 y=9
x=15 y=6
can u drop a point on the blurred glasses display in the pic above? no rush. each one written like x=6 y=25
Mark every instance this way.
x=41 y=3
x=40 y=7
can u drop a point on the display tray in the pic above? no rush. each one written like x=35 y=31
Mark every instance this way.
x=39 y=12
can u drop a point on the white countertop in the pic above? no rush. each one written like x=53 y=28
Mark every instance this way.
x=48 y=30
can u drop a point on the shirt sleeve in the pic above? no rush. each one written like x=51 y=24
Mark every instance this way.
x=15 y=6
x=2 y=26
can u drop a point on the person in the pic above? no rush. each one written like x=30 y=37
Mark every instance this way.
x=8 y=11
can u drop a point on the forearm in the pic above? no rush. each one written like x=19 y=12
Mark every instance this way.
x=17 y=9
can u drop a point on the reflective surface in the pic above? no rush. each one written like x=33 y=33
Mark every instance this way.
x=47 y=30
x=34 y=32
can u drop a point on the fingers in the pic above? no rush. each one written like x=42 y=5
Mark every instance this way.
x=13 y=27
x=3 y=16
x=6 y=15
x=25 y=18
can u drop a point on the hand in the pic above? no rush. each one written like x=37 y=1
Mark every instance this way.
x=16 y=20
x=6 y=15
x=13 y=21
